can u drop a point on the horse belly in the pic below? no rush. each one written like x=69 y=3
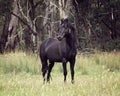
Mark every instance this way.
x=54 y=57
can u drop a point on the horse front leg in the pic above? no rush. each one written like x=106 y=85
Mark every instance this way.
x=64 y=71
x=49 y=70
x=72 y=64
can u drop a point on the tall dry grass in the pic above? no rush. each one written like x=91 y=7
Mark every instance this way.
x=95 y=75
x=19 y=62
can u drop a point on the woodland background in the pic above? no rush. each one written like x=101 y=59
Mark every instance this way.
x=24 y=24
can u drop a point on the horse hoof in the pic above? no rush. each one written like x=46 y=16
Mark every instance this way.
x=72 y=82
x=48 y=81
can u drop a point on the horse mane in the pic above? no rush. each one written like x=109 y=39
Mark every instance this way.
x=72 y=41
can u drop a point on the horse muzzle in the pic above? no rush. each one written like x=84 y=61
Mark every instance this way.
x=59 y=38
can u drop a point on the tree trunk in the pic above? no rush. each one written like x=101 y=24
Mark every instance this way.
x=113 y=25
x=54 y=19
x=50 y=22
x=4 y=34
x=12 y=29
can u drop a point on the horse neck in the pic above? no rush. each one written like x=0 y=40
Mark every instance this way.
x=70 y=42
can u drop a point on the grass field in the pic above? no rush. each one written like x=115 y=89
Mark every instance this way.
x=95 y=75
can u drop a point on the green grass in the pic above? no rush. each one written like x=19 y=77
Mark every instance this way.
x=96 y=75
x=19 y=62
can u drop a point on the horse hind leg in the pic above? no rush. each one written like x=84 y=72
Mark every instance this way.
x=44 y=68
x=49 y=71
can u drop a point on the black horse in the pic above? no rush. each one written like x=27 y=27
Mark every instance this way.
x=62 y=49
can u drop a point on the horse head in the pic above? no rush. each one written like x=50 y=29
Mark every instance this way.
x=64 y=29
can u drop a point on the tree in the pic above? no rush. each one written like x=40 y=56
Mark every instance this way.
x=6 y=6
x=31 y=21
x=12 y=29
